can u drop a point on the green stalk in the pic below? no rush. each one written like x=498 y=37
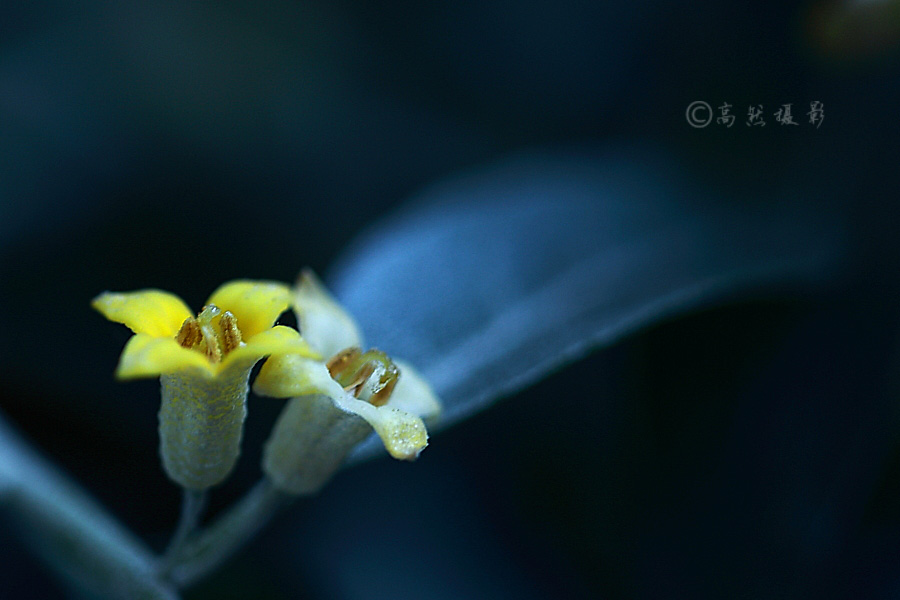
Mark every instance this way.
x=74 y=534
x=203 y=553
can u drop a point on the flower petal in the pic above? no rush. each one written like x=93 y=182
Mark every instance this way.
x=290 y=375
x=153 y=312
x=149 y=356
x=323 y=322
x=274 y=341
x=403 y=434
x=256 y=304
x=413 y=394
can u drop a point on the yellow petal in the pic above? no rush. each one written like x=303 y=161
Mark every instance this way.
x=148 y=356
x=413 y=394
x=403 y=434
x=290 y=375
x=274 y=341
x=323 y=322
x=256 y=304
x=153 y=312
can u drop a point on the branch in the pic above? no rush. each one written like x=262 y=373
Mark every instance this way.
x=206 y=551
x=70 y=530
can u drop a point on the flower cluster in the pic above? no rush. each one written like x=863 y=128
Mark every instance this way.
x=338 y=392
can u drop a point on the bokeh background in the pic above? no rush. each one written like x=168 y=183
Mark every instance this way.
x=751 y=449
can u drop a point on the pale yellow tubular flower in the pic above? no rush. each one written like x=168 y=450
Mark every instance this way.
x=335 y=405
x=322 y=423
x=403 y=433
x=204 y=365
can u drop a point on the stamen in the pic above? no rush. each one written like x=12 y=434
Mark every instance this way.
x=340 y=361
x=382 y=395
x=189 y=335
x=370 y=376
x=231 y=335
x=362 y=375
x=215 y=339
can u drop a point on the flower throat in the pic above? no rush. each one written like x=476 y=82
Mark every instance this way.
x=212 y=332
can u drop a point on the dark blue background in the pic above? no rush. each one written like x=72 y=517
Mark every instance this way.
x=750 y=450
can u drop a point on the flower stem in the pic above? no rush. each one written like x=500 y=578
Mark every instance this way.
x=192 y=504
x=203 y=552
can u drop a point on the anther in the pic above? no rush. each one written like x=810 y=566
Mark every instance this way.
x=213 y=339
x=231 y=335
x=189 y=335
x=362 y=375
x=387 y=383
x=355 y=370
x=340 y=361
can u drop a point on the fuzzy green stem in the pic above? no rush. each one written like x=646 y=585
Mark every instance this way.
x=192 y=504
x=71 y=531
x=205 y=551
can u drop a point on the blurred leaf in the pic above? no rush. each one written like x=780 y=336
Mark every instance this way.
x=69 y=529
x=490 y=281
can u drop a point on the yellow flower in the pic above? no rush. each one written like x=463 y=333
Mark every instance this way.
x=336 y=404
x=204 y=364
